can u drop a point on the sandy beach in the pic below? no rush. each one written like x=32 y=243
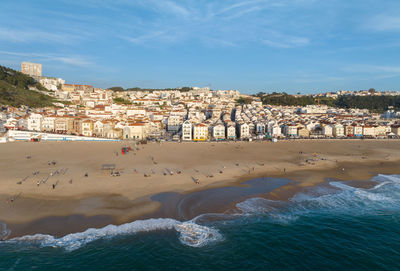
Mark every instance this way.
x=65 y=180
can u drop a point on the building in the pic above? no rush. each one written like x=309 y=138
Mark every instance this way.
x=327 y=130
x=87 y=127
x=290 y=130
x=34 y=122
x=369 y=131
x=219 y=132
x=48 y=123
x=200 y=132
x=51 y=83
x=338 y=130
x=244 y=131
x=231 y=132
x=31 y=69
x=187 y=131
x=135 y=131
x=174 y=123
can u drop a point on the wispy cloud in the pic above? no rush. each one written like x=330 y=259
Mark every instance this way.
x=384 y=23
x=372 y=69
x=287 y=42
x=34 y=35
x=73 y=60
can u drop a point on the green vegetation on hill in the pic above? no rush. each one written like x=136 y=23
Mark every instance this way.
x=373 y=103
x=14 y=90
x=121 y=101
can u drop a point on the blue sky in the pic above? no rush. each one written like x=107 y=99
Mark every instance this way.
x=302 y=46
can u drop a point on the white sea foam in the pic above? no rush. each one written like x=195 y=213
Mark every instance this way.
x=344 y=199
x=190 y=234
x=4 y=232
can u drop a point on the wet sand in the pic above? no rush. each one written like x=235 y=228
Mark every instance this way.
x=99 y=199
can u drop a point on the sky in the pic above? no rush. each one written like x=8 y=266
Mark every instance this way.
x=305 y=46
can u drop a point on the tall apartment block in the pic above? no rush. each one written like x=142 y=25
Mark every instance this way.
x=32 y=69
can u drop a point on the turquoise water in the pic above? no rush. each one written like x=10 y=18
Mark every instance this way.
x=334 y=227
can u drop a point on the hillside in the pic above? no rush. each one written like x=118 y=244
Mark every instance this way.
x=372 y=103
x=14 y=90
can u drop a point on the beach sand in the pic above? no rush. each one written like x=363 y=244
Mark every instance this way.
x=38 y=196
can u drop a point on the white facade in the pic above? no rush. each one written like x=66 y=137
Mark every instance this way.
x=48 y=124
x=368 y=131
x=34 y=122
x=291 y=130
x=327 y=130
x=187 y=131
x=219 y=131
x=244 y=131
x=231 y=132
x=338 y=130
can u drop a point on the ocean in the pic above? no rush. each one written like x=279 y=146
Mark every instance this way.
x=331 y=227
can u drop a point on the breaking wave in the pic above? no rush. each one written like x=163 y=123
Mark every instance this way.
x=339 y=198
x=190 y=234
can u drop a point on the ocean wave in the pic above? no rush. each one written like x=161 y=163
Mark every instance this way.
x=341 y=199
x=190 y=234
x=338 y=198
x=4 y=232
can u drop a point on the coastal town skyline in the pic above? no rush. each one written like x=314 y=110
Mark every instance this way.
x=294 y=46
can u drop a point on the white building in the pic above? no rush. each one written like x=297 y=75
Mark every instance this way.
x=48 y=124
x=34 y=122
x=231 y=132
x=187 y=131
x=327 y=130
x=338 y=130
x=244 y=131
x=260 y=128
x=368 y=131
x=219 y=131
x=290 y=130
x=174 y=123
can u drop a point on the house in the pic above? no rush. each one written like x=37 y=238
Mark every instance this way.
x=243 y=131
x=348 y=130
x=200 y=132
x=63 y=125
x=48 y=123
x=303 y=132
x=260 y=128
x=338 y=130
x=114 y=133
x=174 y=123
x=357 y=130
x=380 y=130
x=135 y=131
x=87 y=127
x=231 y=132
x=34 y=122
x=327 y=130
x=290 y=130
x=219 y=132
x=187 y=131
x=396 y=129
x=274 y=130
x=98 y=128
x=369 y=131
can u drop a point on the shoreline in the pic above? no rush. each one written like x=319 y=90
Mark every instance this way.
x=89 y=208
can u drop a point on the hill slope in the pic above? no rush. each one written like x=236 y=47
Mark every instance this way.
x=14 y=90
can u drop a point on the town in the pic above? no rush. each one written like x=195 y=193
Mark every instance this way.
x=184 y=114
